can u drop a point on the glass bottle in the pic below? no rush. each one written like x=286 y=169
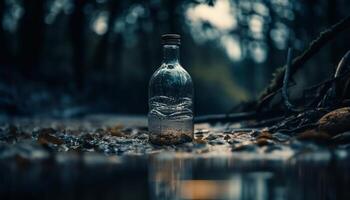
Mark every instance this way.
x=170 y=116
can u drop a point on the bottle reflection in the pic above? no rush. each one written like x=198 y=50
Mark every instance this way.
x=165 y=176
x=174 y=178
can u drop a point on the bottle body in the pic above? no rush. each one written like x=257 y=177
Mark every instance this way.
x=170 y=116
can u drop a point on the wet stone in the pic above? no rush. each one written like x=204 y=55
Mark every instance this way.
x=217 y=141
x=227 y=137
x=87 y=141
x=314 y=135
x=124 y=141
x=199 y=141
x=254 y=133
x=88 y=144
x=12 y=129
x=343 y=138
x=335 y=122
x=46 y=138
x=211 y=137
x=6 y=135
x=120 y=140
x=265 y=135
x=233 y=141
x=142 y=136
x=201 y=131
x=109 y=150
x=185 y=138
x=11 y=133
x=128 y=131
x=63 y=148
x=281 y=137
x=116 y=131
x=244 y=147
x=264 y=142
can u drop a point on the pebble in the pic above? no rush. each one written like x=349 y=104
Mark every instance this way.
x=218 y=141
x=343 y=138
x=124 y=141
x=47 y=137
x=233 y=141
x=142 y=136
x=335 y=122
x=281 y=137
x=199 y=141
x=211 y=137
x=314 y=135
x=265 y=135
x=245 y=147
x=201 y=131
x=120 y=141
x=264 y=142
x=116 y=130
x=254 y=133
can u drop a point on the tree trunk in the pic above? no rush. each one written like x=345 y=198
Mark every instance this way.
x=31 y=34
x=101 y=54
x=77 y=23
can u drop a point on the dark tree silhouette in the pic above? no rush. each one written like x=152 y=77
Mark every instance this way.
x=171 y=7
x=102 y=49
x=333 y=18
x=5 y=54
x=31 y=36
x=77 y=23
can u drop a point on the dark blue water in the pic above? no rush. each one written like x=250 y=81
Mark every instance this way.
x=321 y=175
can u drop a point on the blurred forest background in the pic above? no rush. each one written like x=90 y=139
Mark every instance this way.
x=66 y=58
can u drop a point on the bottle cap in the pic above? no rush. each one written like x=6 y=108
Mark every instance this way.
x=171 y=39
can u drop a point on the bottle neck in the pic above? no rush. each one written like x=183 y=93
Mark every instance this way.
x=171 y=53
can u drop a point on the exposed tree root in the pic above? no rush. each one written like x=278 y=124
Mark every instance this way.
x=314 y=47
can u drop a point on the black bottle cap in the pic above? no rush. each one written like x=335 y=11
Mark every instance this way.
x=171 y=39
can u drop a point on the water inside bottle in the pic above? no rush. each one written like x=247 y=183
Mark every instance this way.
x=170 y=120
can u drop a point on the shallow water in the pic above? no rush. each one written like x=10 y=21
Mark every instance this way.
x=178 y=176
x=232 y=178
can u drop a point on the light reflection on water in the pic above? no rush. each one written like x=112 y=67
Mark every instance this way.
x=177 y=177
x=319 y=175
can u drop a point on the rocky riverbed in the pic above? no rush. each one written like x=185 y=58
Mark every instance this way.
x=75 y=152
